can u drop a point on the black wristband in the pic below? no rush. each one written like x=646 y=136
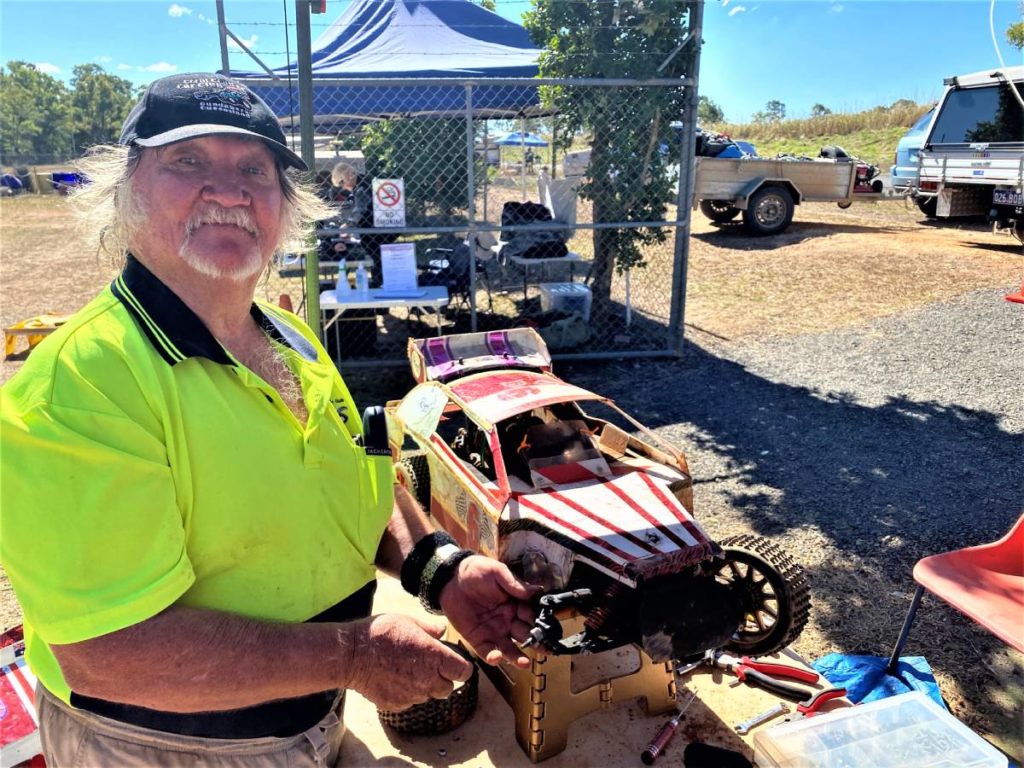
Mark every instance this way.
x=412 y=568
x=436 y=577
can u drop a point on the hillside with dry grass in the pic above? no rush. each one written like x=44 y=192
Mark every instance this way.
x=870 y=135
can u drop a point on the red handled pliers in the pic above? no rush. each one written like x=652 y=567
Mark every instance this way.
x=764 y=673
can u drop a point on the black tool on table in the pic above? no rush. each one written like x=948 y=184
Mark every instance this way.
x=700 y=755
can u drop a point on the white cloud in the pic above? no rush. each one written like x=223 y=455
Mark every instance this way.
x=725 y=3
x=103 y=59
x=177 y=11
x=48 y=68
x=124 y=67
x=250 y=43
x=737 y=9
x=203 y=17
x=161 y=66
x=836 y=8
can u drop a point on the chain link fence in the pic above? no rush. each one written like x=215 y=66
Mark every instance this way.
x=550 y=203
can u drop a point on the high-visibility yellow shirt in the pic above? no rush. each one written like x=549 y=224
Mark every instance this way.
x=143 y=466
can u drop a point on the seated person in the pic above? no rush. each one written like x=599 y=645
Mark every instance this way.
x=355 y=205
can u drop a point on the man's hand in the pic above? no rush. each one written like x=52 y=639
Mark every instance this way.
x=490 y=607
x=399 y=661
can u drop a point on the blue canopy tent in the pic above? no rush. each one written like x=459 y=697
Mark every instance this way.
x=409 y=39
x=519 y=139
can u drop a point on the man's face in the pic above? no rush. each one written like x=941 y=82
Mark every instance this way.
x=213 y=204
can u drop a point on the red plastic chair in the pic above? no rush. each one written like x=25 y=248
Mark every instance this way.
x=985 y=582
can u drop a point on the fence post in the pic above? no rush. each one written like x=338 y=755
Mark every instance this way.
x=305 y=71
x=471 y=202
x=684 y=196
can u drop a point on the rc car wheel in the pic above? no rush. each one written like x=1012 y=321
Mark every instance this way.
x=437 y=716
x=718 y=210
x=769 y=211
x=776 y=597
x=412 y=473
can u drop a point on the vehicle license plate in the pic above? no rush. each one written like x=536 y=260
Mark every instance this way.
x=1007 y=197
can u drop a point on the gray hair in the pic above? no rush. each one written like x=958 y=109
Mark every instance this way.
x=109 y=214
x=342 y=170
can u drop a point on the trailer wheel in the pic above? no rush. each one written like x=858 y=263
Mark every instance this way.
x=769 y=212
x=928 y=206
x=844 y=204
x=718 y=211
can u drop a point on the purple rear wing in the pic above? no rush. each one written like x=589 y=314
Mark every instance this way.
x=444 y=358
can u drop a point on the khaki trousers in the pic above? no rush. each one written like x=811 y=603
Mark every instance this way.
x=74 y=738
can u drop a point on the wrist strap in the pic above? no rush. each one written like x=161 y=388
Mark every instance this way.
x=412 y=568
x=437 y=575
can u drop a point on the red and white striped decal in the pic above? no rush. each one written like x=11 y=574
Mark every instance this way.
x=623 y=519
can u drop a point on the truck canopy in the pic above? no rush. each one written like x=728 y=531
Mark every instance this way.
x=981 y=108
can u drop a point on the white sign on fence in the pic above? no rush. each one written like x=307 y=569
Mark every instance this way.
x=388 y=203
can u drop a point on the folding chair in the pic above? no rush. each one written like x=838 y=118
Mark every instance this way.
x=985 y=582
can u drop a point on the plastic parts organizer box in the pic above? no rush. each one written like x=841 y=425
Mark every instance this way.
x=566 y=297
x=905 y=731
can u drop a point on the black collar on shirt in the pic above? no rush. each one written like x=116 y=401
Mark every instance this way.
x=175 y=331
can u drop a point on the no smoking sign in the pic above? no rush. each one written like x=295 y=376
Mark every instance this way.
x=388 y=203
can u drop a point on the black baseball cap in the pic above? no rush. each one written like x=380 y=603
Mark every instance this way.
x=187 y=106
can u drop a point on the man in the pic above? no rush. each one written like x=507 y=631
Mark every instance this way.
x=355 y=202
x=190 y=518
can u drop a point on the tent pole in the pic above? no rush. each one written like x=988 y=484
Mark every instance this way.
x=471 y=203
x=222 y=29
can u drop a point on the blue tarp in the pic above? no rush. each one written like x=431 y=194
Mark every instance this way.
x=865 y=677
x=410 y=39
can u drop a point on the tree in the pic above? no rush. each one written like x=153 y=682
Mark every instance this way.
x=34 y=113
x=629 y=178
x=1015 y=32
x=819 y=110
x=709 y=112
x=775 y=110
x=99 y=104
x=490 y=5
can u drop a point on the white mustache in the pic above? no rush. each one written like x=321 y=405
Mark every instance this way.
x=215 y=214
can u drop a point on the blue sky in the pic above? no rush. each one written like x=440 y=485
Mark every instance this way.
x=846 y=54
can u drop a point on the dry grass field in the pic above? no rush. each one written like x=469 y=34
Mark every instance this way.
x=831 y=269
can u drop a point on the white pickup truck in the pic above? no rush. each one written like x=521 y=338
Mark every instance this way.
x=972 y=161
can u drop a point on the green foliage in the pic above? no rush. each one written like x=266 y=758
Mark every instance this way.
x=35 y=117
x=820 y=110
x=775 y=110
x=1015 y=32
x=490 y=5
x=628 y=178
x=99 y=104
x=41 y=118
x=394 y=149
x=708 y=112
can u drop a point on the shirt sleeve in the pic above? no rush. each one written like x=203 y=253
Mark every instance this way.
x=93 y=539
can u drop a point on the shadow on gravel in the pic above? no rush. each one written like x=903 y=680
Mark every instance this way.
x=868 y=477
x=733 y=235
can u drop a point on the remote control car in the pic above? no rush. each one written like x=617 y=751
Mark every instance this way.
x=579 y=497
